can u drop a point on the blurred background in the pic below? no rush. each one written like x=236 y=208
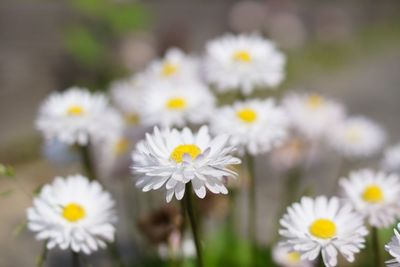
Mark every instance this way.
x=349 y=50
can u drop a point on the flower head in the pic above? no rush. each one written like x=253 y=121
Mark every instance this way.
x=243 y=62
x=286 y=258
x=324 y=226
x=376 y=195
x=73 y=213
x=394 y=249
x=75 y=116
x=255 y=126
x=174 y=158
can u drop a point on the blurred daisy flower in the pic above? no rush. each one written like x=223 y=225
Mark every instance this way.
x=255 y=125
x=243 y=62
x=312 y=115
x=75 y=116
x=394 y=249
x=357 y=137
x=285 y=258
x=325 y=226
x=391 y=158
x=73 y=213
x=375 y=195
x=174 y=158
x=175 y=67
x=177 y=105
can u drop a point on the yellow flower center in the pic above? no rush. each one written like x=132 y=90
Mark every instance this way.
x=177 y=103
x=121 y=146
x=169 y=69
x=242 y=56
x=294 y=257
x=132 y=119
x=373 y=194
x=75 y=110
x=353 y=134
x=191 y=149
x=74 y=212
x=323 y=228
x=315 y=101
x=248 y=115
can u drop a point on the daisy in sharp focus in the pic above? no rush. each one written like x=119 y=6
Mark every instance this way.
x=394 y=249
x=172 y=158
x=325 y=226
x=357 y=137
x=73 y=213
x=255 y=125
x=170 y=105
x=285 y=258
x=75 y=116
x=376 y=195
x=312 y=115
x=391 y=158
x=243 y=62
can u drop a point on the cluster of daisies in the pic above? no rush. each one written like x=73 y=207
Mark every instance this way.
x=168 y=121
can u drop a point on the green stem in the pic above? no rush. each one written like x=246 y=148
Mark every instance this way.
x=115 y=255
x=42 y=258
x=75 y=259
x=320 y=261
x=87 y=162
x=252 y=198
x=375 y=247
x=193 y=223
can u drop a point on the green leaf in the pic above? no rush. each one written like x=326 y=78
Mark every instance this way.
x=6 y=193
x=6 y=171
x=127 y=17
x=20 y=228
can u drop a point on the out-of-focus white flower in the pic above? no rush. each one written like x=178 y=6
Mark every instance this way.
x=127 y=96
x=177 y=105
x=243 y=62
x=325 y=226
x=174 y=158
x=391 y=158
x=376 y=195
x=255 y=125
x=357 y=137
x=313 y=115
x=286 y=258
x=394 y=249
x=73 y=213
x=75 y=116
x=175 y=67
x=177 y=248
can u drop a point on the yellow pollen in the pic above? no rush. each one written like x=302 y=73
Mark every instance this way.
x=323 y=228
x=353 y=134
x=242 y=56
x=191 y=149
x=75 y=110
x=121 y=146
x=373 y=194
x=177 y=103
x=294 y=257
x=74 y=212
x=247 y=115
x=315 y=101
x=169 y=69
x=132 y=119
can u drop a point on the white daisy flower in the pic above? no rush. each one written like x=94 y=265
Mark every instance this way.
x=376 y=195
x=391 y=158
x=255 y=125
x=357 y=137
x=75 y=116
x=286 y=258
x=176 y=66
x=174 y=158
x=127 y=96
x=312 y=115
x=243 y=62
x=394 y=249
x=325 y=226
x=177 y=105
x=73 y=213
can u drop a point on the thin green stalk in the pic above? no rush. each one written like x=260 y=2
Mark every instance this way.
x=43 y=256
x=193 y=223
x=376 y=247
x=320 y=261
x=115 y=255
x=252 y=199
x=75 y=259
x=87 y=162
